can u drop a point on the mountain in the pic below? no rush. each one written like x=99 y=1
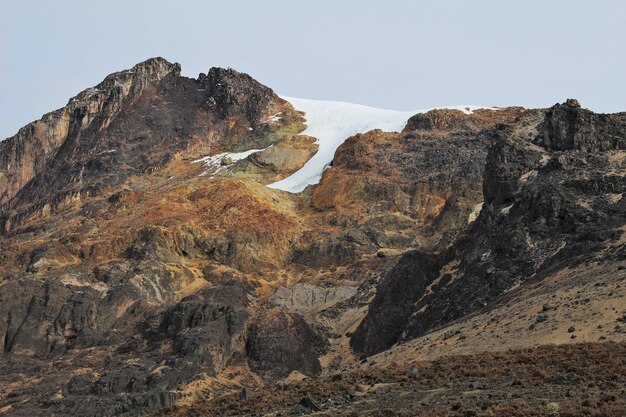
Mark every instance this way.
x=177 y=246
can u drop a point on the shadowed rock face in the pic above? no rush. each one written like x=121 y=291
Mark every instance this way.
x=397 y=293
x=151 y=351
x=553 y=191
x=42 y=319
x=208 y=325
x=233 y=94
x=569 y=127
x=280 y=342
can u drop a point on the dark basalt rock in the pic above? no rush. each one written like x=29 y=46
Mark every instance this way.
x=533 y=220
x=569 y=127
x=207 y=327
x=279 y=343
x=233 y=93
x=396 y=296
x=309 y=403
x=202 y=333
x=123 y=379
x=45 y=318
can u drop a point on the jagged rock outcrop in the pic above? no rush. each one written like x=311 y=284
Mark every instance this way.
x=86 y=145
x=553 y=196
x=569 y=127
x=280 y=343
x=203 y=333
x=405 y=283
x=279 y=160
x=402 y=190
x=28 y=153
x=207 y=327
x=42 y=319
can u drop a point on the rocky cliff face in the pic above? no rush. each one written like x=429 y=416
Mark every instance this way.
x=401 y=190
x=145 y=264
x=28 y=153
x=553 y=198
x=135 y=121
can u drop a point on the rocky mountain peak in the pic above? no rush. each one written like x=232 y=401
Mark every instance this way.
x=232 y=91
x=26 y=154
x=157 y=67
x=150 y=70
x=134 y=121
x=568 y=126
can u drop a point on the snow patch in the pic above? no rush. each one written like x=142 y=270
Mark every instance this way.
x=275 y=118
x=213 y=164
x=331 y=123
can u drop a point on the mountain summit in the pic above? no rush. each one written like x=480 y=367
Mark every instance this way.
x=178 y=246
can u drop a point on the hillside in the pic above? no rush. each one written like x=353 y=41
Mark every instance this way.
x=178 y=246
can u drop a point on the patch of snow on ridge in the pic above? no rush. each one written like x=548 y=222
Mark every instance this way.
x=331 y=123
x=273 y=119
x=214 y=165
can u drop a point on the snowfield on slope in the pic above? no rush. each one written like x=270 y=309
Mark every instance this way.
x=331 y=123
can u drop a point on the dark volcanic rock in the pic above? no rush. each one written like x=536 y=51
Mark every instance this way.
x=569 y=127
x=233 y=93
x=309 y=403
x=547 y=200
x=201 y=334
x=279 y=343
x=396 y=296
x=207 y=327
x=43 y=319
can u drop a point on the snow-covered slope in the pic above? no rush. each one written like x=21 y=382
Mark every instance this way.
x=331 y=123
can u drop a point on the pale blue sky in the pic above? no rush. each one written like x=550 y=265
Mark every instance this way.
x=392 y=54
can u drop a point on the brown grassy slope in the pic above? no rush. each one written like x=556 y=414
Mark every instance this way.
x=582 y=379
